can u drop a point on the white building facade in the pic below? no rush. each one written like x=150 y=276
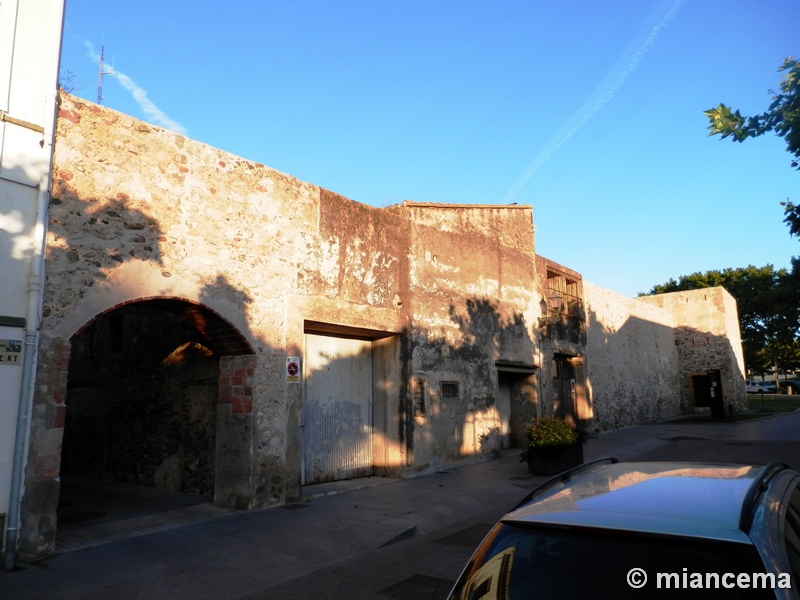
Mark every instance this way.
x=30 y=43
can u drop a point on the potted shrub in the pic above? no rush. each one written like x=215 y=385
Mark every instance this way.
x=554 y=445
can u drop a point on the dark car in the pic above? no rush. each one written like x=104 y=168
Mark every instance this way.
x=637 y=530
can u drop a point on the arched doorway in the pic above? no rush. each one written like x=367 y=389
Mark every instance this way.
x=142 y=397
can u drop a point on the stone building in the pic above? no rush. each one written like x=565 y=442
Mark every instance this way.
x=215 y=326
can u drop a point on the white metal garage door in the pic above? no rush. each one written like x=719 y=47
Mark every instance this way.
x=337 y=410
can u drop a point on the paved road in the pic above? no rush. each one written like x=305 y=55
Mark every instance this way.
x=406 y=539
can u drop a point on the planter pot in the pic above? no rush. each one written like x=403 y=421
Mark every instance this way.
x=555 y=459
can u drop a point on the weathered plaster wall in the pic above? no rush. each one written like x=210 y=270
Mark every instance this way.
x=643 y=352
x=707 y=337
x=448 y=294
x=471 y=269
x=352 y=270
x=139 y=213
x=563 y=335
x=631 y=358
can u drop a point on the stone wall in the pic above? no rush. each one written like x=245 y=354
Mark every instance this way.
x=139 y=214
x=562 y=335
x=254 y=260
x=472 y=309
x=707 y=337
x=644 y=352
x=631 y=358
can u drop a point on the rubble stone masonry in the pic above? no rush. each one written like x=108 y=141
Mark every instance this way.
x=447 y=299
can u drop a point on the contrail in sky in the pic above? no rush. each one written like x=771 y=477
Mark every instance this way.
x=626 y=64
x=153 y=113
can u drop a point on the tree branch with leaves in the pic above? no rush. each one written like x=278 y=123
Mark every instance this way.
x=782 y=118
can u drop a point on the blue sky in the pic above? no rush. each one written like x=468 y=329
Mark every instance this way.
x=591 y=112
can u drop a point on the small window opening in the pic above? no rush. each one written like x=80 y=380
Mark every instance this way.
x=449 y=389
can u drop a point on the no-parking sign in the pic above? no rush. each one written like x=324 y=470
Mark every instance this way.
x=293 y=369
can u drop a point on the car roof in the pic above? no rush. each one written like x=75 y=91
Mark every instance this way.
x=685 y=499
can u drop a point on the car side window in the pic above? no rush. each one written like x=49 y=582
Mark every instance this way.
x=792 y=533
x=520 y=562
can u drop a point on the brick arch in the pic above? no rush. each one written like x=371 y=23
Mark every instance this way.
x=224 y=338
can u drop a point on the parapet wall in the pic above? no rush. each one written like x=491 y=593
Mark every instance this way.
x=644 y=352
x=631 y=356
x=447 y=297
x=707 y=337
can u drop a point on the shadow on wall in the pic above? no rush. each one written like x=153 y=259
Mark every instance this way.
x=353 y=425
x=168 y=410
x=642 y=371
x=460 y=407
x=139 y=386
x=107 y=188
x=460 y=411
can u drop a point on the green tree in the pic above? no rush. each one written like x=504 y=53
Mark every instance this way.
x=768 y=309
x=782 y=117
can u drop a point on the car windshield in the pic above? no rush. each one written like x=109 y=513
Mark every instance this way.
x=516 y=562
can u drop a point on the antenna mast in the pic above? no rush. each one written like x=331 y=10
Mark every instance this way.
x=100 y=74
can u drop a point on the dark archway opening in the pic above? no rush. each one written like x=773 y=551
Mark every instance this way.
x=141 y=411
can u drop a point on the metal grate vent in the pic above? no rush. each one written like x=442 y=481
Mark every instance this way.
x=449 y=389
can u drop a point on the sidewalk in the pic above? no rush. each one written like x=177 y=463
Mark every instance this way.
x=201 y=551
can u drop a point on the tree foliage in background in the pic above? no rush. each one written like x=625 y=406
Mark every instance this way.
x=769 y=312
x=782 y=117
